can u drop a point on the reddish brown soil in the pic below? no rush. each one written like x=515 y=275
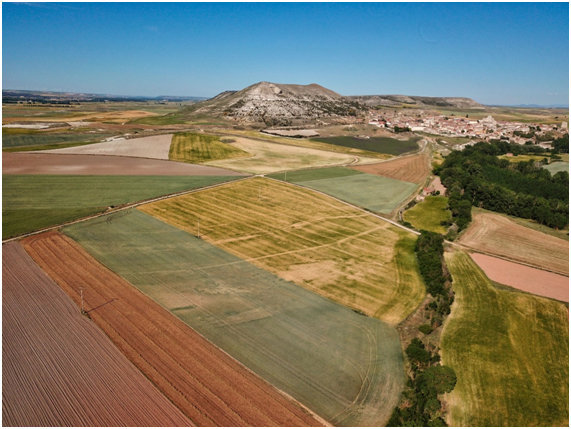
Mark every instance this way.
x=43 y=163
x=524 y=278
x=409 y=168
x=58 y=367
x=210 y=387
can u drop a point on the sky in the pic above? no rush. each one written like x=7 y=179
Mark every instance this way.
x=495 y=53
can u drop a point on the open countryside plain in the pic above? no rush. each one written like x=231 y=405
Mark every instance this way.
x=322 y=244
x=342 y=365
x=32 y=202
x=206 y=384
x=510 y=352
x=372 y=192
x=499 y=235
x=58 y=368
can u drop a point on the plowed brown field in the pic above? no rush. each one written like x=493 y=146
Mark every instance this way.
x=209 y=386
x=412 y=169
x=44 y=163
x=496 y=234
x=59 y=368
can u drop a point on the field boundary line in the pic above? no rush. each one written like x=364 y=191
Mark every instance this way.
x=122 y=208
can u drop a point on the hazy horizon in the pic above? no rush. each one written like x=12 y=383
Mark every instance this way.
x=496 y=54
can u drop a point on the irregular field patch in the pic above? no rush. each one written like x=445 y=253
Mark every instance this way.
x=429 y=214
x=156 y=147
x=199 y=148
x=510 y=352
x=38 y=139
x=58 y=368
x=344 y=366
x=206 y=384
x=556 y=167
x=43 y=163
x=271 y=157
x=524 y=278
x=375 y=193
x=32 y=202
x=413 y=169
x=496 y=234
x=387 y=145
x=284 y=228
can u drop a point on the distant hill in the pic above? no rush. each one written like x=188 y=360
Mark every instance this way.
x=279 y=104
x=416 y=101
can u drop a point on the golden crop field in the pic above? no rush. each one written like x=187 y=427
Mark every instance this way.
x=336 y=250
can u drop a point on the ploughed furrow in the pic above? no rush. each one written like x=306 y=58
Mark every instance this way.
x=210 y=387
x=58 y=368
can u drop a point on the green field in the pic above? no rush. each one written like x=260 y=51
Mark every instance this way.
x=556 y=167
x=510 y=352
x=198 y=148
x=344 y=366
x=324 y=245
x=524 y=158
x=32 y=202
x=386 y=145
x=376 y=193
x=42 y=140
x=429 y=214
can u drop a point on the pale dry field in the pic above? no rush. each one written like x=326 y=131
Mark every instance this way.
x=58 y=368
x=492 y=233
x=271 y=157
x=413 y=169
x=522 y=277
x=156 y=147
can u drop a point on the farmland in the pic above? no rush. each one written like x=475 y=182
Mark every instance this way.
x=271 y=157
x=429 y=214
x=326 y=246
x=39 y=140
x=499 y=235
x=32 y=202
x=510 y=352
x=386 y=145
x=342 y=365
x=58 y=368
x=198 y=148
x=522 y=277
x=156 y=147
x=100 y=165
x=375 y=193
x=206 y=384
x=414 y=169
x=556 y=167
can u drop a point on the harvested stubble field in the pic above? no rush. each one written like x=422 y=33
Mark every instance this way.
x=58 y=368
x=429 y=214
x=414 y=169
x=199 y=148
x=496 y=234
x=33 y=202
x=207 y=385
x=308 y=238
x=100 y=165
x=510 y=352
x=270 y=157
x=375 y=193
x=342 y=365
x=524 y=278
x=156 y=147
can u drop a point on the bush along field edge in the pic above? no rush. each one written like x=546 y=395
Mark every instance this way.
x=427 y=379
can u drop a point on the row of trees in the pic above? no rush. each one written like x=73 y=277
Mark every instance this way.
x=477 y=177
x=420 y=405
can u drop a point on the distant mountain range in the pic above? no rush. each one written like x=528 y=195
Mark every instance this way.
x=416 y=101
x=537 y=106
x=15 y=96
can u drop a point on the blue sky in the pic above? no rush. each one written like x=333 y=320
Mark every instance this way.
x=496 y=53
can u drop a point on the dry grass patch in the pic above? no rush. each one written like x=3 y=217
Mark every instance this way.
x=293 y=232
x=496 y=234
x=198 y=148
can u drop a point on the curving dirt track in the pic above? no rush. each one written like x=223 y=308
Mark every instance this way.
x=59 y=368
x=524 y=278
x=412 y=169
x=63 y=164
x=210 y=387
